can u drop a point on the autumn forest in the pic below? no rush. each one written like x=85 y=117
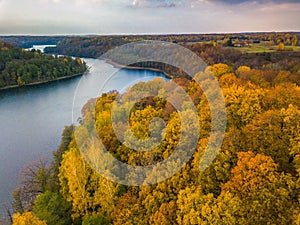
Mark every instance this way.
x=255 y=177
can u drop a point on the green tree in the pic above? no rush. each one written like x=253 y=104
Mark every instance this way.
x=95 y=220
x=53 y=208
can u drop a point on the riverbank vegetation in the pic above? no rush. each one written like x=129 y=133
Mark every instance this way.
x=254 y=179
x=19 y=67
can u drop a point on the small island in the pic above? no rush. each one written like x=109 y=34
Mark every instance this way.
x=19 y=67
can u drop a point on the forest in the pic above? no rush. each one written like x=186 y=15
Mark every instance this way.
x=95 y=46
x=271 y=51
x=28 y=41
x=19 y=67
x=254 y=179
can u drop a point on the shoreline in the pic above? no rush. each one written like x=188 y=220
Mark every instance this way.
x=117 y=65
x=40 y=82
x=109 y=61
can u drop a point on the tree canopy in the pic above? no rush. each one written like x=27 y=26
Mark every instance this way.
x=19 y=67
x=254 y=178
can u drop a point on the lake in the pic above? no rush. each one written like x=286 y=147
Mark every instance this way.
x=33 y=118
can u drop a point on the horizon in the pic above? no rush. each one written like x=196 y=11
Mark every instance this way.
x=145 y=34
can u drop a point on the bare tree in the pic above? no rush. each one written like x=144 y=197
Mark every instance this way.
x=34 y=179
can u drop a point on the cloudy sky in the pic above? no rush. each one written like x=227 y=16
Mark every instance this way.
x=147 y=16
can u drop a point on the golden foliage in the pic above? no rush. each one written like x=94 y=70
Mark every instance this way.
x=27 y=218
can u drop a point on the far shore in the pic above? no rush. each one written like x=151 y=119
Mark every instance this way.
x=117 y=65
x=41 y=82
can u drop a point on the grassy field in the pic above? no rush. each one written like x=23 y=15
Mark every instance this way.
x=257 y=48
x=294 y=48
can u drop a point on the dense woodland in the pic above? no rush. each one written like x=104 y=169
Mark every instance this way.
x=29 y=41
x=95 y=46
x=19 y=67
x=212 y=48
x=255 y=178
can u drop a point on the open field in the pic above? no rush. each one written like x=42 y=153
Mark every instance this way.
x=257 y=48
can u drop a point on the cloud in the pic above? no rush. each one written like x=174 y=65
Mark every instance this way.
x=178 y=3
x=74 y=1
x=232 y=2
x=158 y=3
x=146 y=16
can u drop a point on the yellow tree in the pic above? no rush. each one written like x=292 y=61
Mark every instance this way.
x=291 y=127
x=128 y=211
x=267 y=195
x=88 y=192
x=218 y=171
x=262 y=78
x=26 y=219
x=281 y=47
x=274 y=133
x=243 y=103
x=243 y=71
x=197 y=208
x=265 y=135
x=228 y=80
x=220 y=69
x=292 y=121
x=284 y=76
x=294 y=40
x=165 y=215
x=282 y=96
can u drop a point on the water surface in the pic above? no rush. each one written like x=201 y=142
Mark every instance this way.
x=32 y=118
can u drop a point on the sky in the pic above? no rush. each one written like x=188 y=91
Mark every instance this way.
x=52 y=17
